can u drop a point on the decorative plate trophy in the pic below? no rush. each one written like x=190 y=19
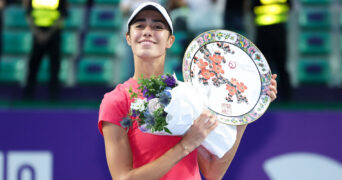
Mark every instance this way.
x=231 y=72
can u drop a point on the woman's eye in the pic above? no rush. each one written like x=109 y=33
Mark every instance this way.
x=139 y=26
x=159 y=27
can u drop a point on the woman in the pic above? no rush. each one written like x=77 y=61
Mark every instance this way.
x=132 y=154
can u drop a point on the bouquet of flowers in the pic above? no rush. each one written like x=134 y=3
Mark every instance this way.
x=165 y=106
x=149 y=111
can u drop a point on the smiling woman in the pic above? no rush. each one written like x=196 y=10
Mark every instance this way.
x=132 y=154
x=149 y=36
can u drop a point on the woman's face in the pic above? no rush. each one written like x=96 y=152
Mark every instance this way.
x=149 y=36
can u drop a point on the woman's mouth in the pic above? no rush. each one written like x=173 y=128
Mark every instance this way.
x=146 y=41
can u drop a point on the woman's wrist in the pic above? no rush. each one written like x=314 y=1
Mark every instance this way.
x=241 y=129
x=185 y=148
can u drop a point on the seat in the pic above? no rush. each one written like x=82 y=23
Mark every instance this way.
x=69 y=43
x=14 y=17
x=100 y=43
x=95 y=70
x=314 y=2
x=12 y=69
x=341 y=17
x=77 y=2
x=105 y=17
x=180 y=44
x=17 y=42
x=112 y=2
x=315 y=18
x=75 y=18
x=174 y=65
x=313 y=71
x=341 y=44
x=314 y=43
x=44 y=71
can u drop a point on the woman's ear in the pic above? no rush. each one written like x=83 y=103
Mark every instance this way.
x=170 y=41
x=128 y=39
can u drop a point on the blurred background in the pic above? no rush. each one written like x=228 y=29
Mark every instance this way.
x=48 y=128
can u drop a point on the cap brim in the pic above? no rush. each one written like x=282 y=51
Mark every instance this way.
x=152 y=5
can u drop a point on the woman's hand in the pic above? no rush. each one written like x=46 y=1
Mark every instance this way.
x=202 y=126
x=273 y=88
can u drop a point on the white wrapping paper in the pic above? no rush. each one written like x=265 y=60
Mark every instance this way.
x=185 y=106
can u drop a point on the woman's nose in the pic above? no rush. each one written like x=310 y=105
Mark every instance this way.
x=147 y=31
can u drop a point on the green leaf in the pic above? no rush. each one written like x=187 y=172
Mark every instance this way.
x=167 y=130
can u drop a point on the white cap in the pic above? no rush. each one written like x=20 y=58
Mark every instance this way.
x=154 y=5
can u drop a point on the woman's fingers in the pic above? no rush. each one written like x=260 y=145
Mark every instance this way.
x=273 y=88
x=212 y=126
x=274 y=76
x=206 y=120
x=272 y=95
x=211 y=121
x=205 y=115
x=197 y=133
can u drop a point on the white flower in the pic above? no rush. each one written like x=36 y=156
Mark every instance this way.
x=153 y=105
x=138 y=105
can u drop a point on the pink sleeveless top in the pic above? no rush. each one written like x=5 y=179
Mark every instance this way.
x=145 y=147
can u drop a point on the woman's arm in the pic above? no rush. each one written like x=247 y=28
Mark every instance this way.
x=119 y=154
x=214 y=168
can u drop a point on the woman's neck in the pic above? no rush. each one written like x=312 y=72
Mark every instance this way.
x=148 y=67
